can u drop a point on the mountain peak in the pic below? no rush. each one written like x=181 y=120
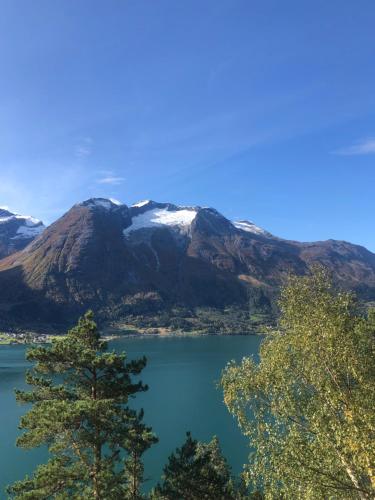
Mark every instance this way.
x=149 y=214
x=106 y=203
x=4 y=212
x=17 y=231
x=26 y=220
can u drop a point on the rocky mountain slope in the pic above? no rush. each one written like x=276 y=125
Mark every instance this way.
x=152 y=256
x=17 y=231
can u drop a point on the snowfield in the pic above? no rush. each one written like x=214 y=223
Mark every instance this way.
x=102 y=202
x=27 y=227
x=158 y=217
x=116 y=202
x=28 y=232
x=29 y=221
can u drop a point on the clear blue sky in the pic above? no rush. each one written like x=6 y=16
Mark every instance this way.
x=263 y=109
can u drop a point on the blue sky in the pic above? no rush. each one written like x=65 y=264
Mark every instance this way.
x=263 y=109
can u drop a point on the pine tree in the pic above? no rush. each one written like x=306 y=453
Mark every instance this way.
x=196 y=471
x=139 y=439
x=80 y=411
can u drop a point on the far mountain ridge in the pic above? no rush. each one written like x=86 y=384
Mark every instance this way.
x=117 y=259
x=17 y=231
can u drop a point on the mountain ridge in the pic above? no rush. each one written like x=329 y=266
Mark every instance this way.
x=17 y=231
x=151 y=256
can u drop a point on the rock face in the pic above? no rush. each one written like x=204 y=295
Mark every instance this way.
x=113 y=258
x=17 y=231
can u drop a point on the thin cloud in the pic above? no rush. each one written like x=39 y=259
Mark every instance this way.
x=83 y=152
x=363 y=147
x=112 y=180
x=84 y=148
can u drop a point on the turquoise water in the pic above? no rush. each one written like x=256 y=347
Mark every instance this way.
x=182 y=375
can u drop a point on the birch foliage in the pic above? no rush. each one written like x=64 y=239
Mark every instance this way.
x=308 y=406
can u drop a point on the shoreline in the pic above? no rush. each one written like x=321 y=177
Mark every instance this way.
x=140 y=335
x=179 y=335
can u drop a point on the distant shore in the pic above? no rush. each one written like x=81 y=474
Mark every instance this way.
x=7 y=339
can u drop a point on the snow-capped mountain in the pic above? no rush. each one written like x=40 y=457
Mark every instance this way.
x=113 y=258
x=17 y=231
x=107 y=204
x=149 y=214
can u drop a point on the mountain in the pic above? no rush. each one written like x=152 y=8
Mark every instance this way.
x=153 y=256
x=17 y=231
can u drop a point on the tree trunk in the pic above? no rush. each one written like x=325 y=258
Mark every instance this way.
x=361 y=493
x=135 y=479
x=97 y=446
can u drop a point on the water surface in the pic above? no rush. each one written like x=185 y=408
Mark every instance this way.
x=182 y=375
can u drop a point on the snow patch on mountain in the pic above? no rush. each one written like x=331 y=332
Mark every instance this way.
x=108 y=204
x=159 y=217
x=249 y=227
x=28 y=232
x=103 y=203
x=115 y=202
x=141 y=203
x=27 y=220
